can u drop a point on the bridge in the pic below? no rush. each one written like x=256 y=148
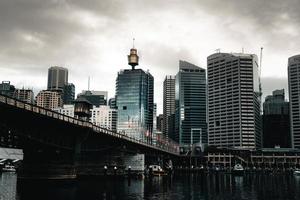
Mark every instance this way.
x=58 y=146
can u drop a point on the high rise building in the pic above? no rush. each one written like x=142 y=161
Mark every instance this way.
x=49 y=99
x=294 y=94
x=57 y=78
x=7 y=89
x=97 y=98
x=25 y=95
x=276 y=121
x=234 y=100
x=169 y=106
x=190 y=100
x=69 y=93
x=134 y=97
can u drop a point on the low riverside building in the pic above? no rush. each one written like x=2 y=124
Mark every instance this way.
x=279 y=158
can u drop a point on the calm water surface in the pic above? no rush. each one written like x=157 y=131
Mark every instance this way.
x=219 y=186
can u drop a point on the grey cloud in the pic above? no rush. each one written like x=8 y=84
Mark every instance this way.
x=164 y=57
x=277 y=21
x=52 y=28
x=36 y=33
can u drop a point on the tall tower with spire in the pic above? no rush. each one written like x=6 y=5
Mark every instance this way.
x=133 y=58
x=134 y=100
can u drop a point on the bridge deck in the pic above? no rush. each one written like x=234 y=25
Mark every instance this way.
x=164 y=145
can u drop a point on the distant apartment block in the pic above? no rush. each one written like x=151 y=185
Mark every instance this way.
x=49 y=99
x=102 y=116
x=66 y=110
x=25 y=95
x=105 y=117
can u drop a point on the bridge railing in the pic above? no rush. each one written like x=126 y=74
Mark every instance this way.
x=161 y=143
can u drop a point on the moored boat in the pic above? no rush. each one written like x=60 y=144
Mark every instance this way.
x=156 y=170
x=296 y=172
x=8 y=168
x=238 y=169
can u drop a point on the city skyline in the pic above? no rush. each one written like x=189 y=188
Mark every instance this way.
x=38 y=35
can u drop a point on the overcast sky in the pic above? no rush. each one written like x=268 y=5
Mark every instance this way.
x=93 y=38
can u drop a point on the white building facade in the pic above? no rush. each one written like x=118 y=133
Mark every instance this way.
x=105 y=117
x=102 y=116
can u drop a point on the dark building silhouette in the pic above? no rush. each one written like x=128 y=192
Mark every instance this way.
x=160 y=123
x=69 y=93
x=276 y=121
x=7 y=89
x=57 y=78
x=112 y=103
x=97 y=98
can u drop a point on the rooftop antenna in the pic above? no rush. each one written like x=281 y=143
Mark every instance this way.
x=260 y=59
x=242 y=49
x=260 y=65
x=218 y=50
x=133 y=42
x=89 y=83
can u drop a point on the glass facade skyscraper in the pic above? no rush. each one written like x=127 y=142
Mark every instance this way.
x=190 y=105
x=134 y=100
x=96 y=98
x=69 y=93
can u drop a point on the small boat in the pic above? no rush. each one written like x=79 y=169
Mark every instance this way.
x=9 y=168
x=238 y=169
x=156 y=170
x=296 y=172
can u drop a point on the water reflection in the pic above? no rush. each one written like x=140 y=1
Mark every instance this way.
x=8 y=184
x=181 y=186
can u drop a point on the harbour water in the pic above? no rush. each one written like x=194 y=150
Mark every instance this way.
x=180 y=186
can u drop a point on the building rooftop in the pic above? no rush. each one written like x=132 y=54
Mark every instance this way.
x=186 y=65
x=218 y=55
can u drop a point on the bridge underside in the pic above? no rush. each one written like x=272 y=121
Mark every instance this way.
x=57 y=149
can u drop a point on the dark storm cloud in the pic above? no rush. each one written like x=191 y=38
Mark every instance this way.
x=49 y=25
x=35 y=33
x=277 y=20
x=265 y=13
